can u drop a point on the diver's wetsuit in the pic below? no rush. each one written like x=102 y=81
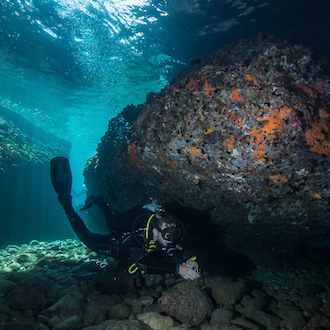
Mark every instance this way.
x=156 y=262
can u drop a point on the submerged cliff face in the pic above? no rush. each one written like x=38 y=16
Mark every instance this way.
x=244 y=131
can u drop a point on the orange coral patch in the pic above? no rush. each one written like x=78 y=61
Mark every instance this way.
x=171 y=146
x=274 y=122
x=265 y=162
x=316 y=134
x=313 y=85
x=235 y=95
x=193 y=86
x=319 y=87
x=301 y=88
x=172 y=164
x=195 y=152
x=255 y=143
x=258 y=154
x=209 y=90
x=314 y=94
x=315 y=88
x=278 y=178
x=323 y=114
x=249 y=170
x=320 y=148
x=249 y=78
x=285 y=112
x=133 y=155
x=229 y=143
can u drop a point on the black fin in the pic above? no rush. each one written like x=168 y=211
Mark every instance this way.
x=61 y=176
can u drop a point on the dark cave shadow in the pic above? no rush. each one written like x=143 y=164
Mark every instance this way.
x=316 y=249
x=205 y=239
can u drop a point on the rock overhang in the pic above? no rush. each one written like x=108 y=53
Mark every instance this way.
x=244 y=131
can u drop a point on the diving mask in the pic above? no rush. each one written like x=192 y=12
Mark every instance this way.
x=172 y=234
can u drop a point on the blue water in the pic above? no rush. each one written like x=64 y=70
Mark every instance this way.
x=69 y=66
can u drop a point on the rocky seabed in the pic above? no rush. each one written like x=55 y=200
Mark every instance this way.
x=63 y=285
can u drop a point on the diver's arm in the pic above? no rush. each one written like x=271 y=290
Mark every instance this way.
x=154 y=265
x=188 y=257
x=150 y=264
x=96 y=242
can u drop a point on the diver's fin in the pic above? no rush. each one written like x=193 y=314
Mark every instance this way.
x=61 y=176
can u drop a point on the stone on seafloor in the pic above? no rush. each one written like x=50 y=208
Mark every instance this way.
x=253 y=310
x=73 y=322
x=146 y=300
x=251 y=305
x=244 y=130
x=221 y=315
x=6 y=286
x=27 y=296
x=309 y=303
x=295 y=323
x=110 y=284
x=156 y=321
x=119 y=325
x=220 y=327
x=120 y=311
x=228 y=293
x=67 y=307
x=319 y=321
x=245 y=323
x=98 y=301
x=311 y=290
x=190 y=306
x=93 y=317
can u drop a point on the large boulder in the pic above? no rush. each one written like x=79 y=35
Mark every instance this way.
x=228 y=293
x=244 y=131
x=189 y=306
x=66 y=312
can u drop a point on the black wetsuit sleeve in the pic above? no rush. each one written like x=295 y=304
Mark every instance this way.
x=151 y=264
x=185 y=254
x=97 y=242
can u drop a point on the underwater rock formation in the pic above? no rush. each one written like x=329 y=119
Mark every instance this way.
x=25 y=152
x=244 y=131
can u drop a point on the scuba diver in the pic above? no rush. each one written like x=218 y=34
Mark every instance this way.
x=151 y=247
